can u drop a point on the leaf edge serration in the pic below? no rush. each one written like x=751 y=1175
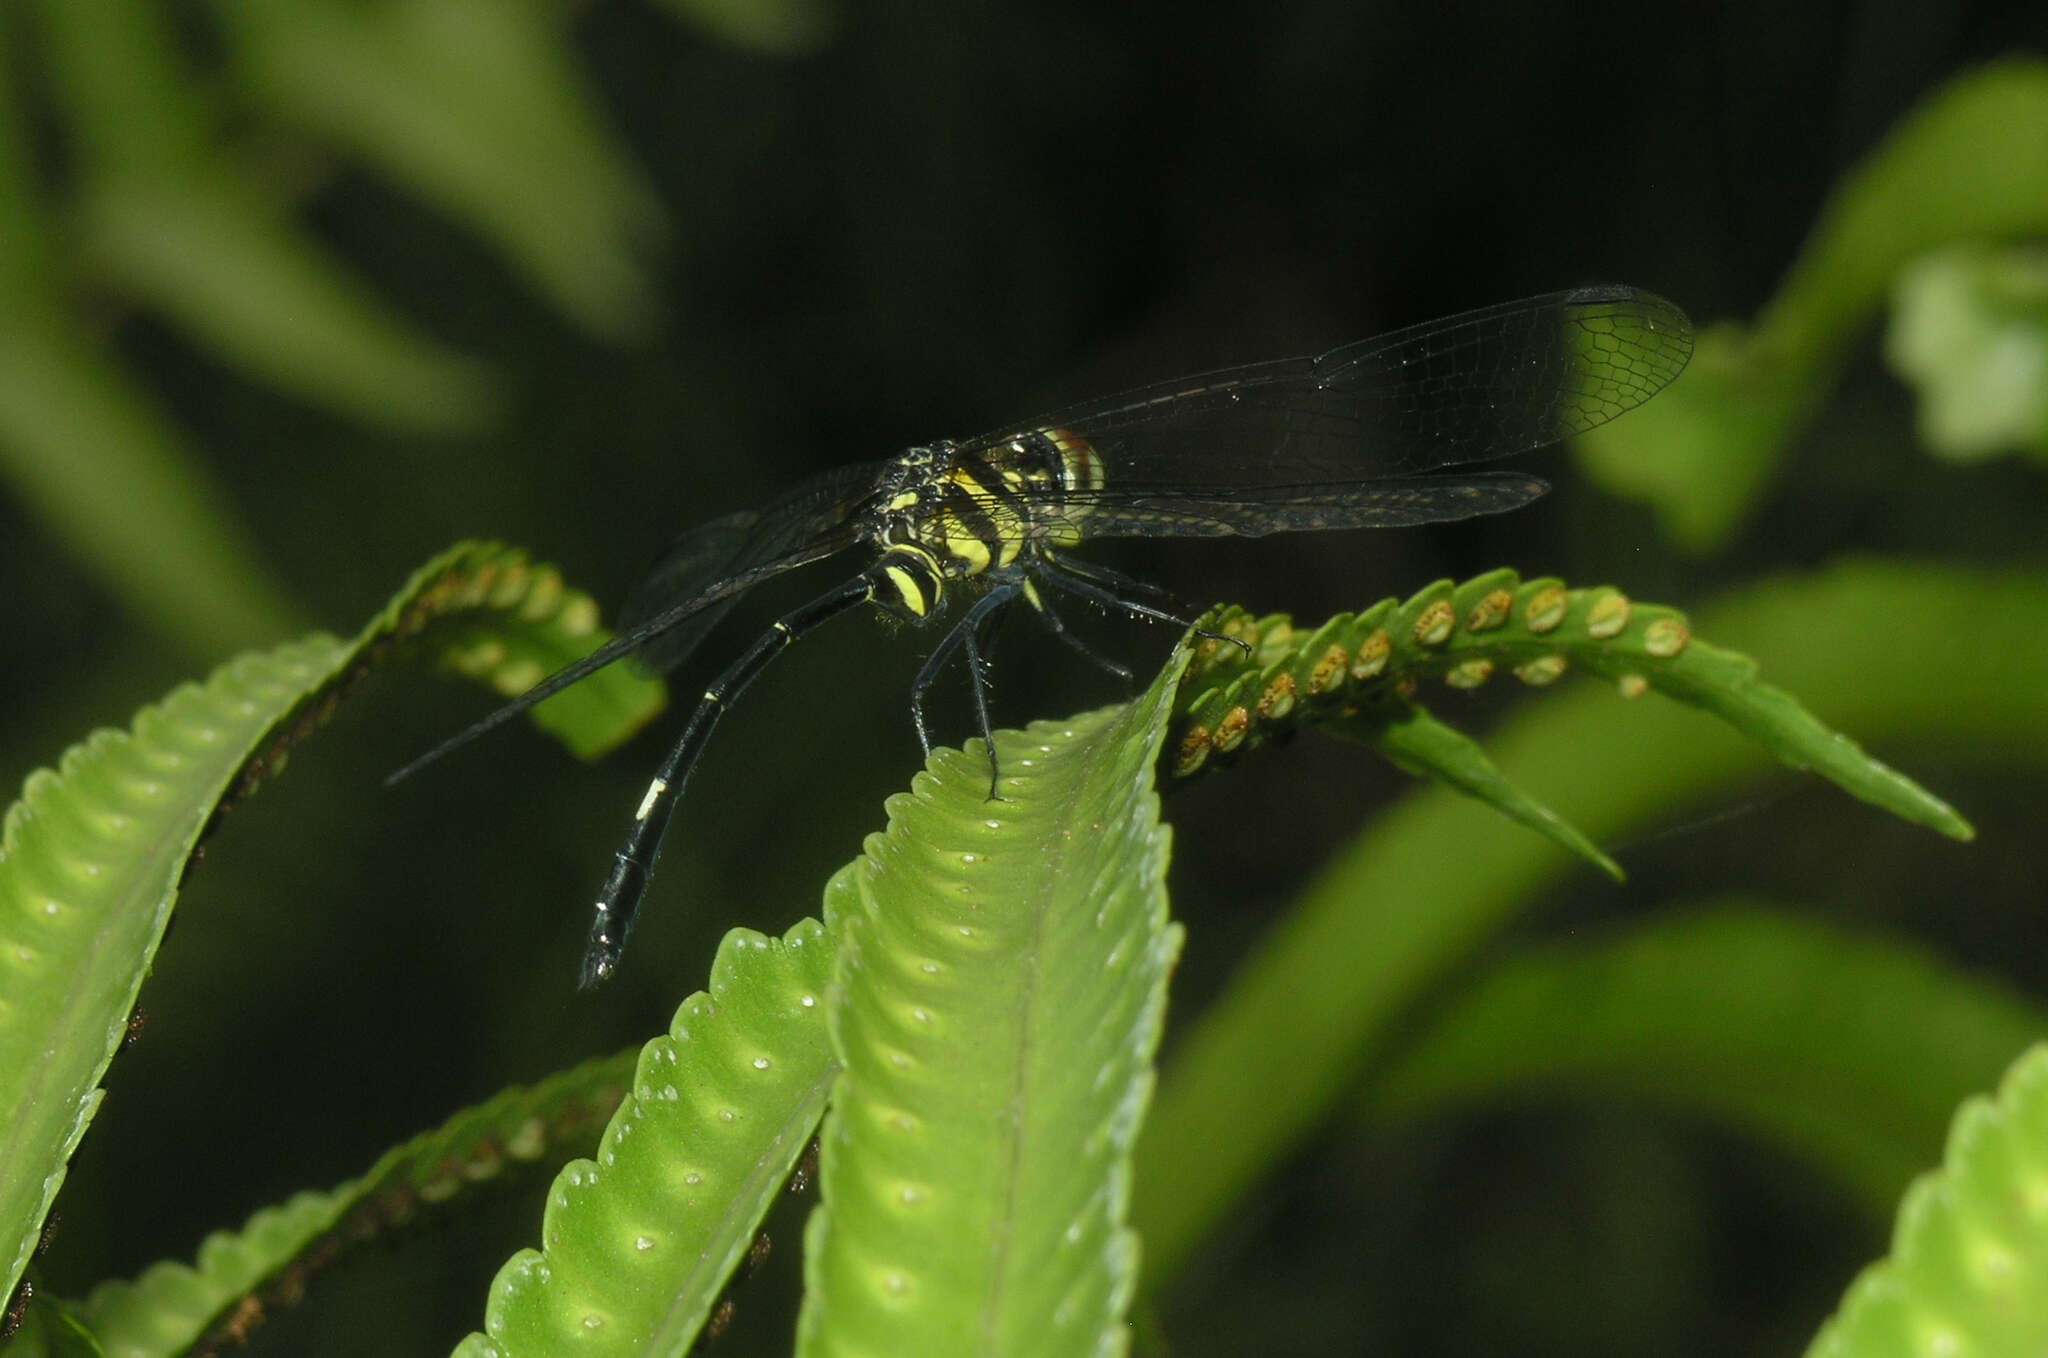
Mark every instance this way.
x=721 y=1108
x=1968 y=1267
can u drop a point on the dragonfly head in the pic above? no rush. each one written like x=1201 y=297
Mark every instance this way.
x=908 y=583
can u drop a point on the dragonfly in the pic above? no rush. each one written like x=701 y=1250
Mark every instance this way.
x=1386 y=432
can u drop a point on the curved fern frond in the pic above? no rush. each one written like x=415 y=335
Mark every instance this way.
x=486 y=612
x=240 y=1277
x=90 y=862
x=1899 y=653
x=92 y=856
x=1968 y=1271
x=46 y=1329
x=637 y=1245
x=1000 y=991
x=1358 y=675
x=1016 y=952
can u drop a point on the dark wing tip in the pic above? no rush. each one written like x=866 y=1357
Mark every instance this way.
x=1658 y=316
x=1626 y=345
x=1604 y=292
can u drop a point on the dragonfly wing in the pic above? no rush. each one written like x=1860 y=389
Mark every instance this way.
x=1392 y=503
x=634 y=641
x=696 y=582
x=1470 y=388
x=733 y=546
x=707 y=553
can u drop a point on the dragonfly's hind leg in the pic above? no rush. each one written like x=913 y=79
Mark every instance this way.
x=1058 y=627
x=964 y=634
x=1112 y=589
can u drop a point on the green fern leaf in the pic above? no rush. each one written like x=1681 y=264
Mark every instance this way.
x=1968 y=1271
x=1357 y=676
x=92 y=855
x=637 y=1245
x=240 y=1277
x=1000 y=991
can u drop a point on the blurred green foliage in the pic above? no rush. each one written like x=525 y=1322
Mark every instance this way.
x=1969 y=165
x=1970 y=330
x=294 y=295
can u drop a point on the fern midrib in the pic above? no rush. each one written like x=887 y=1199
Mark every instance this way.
x=1003 y=1239
x=1053 y=870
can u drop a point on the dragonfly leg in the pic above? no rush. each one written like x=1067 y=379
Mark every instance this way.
x=1058 y=627
x=991 y=630
x=927 y=674
x=619 y=899
x=964 y=633
x=1112 y=589
x=1125 y=587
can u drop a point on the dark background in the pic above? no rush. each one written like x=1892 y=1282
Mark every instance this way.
x=944 y=218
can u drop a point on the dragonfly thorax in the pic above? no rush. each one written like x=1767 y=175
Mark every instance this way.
x=961 y=511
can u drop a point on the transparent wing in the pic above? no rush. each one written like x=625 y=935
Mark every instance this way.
x=1269 y=437
x=695 y=583
x=731 y=546
x=1295 y=509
